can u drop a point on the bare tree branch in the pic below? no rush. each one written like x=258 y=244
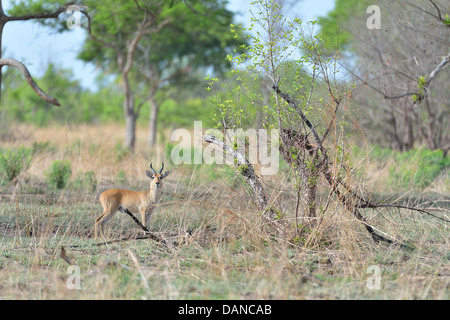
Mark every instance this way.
x=95 y=38
x=291 y=102
x=43 y=15
x=21 y=67
x=420 y=95
x=144 y=28
x=438 y=11
x=194 y=10
x=438 y=68
x=246 y=169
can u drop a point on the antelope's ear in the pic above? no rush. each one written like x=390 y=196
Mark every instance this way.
x=165 y=174
x=149 y=174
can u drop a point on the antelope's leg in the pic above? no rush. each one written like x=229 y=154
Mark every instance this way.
x=97 y=222
x=144 y=218
x=101 y=220
x=148 y=214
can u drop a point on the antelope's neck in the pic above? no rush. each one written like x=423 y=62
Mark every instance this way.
x=154 y=195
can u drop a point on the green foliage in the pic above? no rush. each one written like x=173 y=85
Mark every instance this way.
x=187 y=42
x=333 y=24
x=279 y=51
x=414 y=168
x=20 y=102
x=41 y=147
x=27 y=7
x=418 y=168
x=121 y=177
x=177 y=112
x=85 y=181
x=58 y=174
x=121 y=152
x=192 y=152
x=447 y=20
x=421 y=83
x=13 y=162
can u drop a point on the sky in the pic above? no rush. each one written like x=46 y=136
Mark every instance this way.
x=37 y=46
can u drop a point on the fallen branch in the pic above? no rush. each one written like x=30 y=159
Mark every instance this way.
x=64 y=256
x=247 y=171
x=382 y=205
x=136 y=220
x=353 y=203
x=147 y=235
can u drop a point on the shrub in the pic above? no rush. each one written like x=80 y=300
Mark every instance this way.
x=13 y=162
x=121 y=177
x=58 y=174
x=121 y=152
x=413 y=168
x=418 y=167
x=85 y=181
x=41 y=147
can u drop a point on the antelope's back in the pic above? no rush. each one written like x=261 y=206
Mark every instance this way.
x=120 y=197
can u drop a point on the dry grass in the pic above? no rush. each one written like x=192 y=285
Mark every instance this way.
x=230 y=254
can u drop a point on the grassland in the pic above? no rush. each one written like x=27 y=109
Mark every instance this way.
x=221 y=248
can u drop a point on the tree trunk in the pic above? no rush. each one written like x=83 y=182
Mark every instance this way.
x=152 y=127
x=2 y=25
x=130 y=116
x=298 y=152
x=408 y=142
x=130 y=127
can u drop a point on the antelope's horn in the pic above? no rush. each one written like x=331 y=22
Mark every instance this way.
x=162 y=167
x=153 y=170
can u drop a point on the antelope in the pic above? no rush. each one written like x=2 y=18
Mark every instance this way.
x=114 y=200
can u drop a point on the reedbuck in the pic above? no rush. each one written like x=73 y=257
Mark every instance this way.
x=122 y=200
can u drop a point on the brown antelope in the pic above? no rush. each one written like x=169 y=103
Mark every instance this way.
x=122 y=200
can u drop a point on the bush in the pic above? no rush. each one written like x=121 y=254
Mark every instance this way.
x=414 y=168
x=121 y=177
x=121 y=152
x=13 y=162
x=85 y=181
x=41 y=147
x=418 y=167
x=58 y=174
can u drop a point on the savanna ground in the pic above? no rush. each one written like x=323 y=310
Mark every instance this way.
x=229 y=254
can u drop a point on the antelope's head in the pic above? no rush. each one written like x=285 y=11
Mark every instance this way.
x=156 y=177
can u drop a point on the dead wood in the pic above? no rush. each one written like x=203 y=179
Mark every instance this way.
x=247 y=171
x=349 y=199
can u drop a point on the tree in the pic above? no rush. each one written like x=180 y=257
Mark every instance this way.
x=35 y=14
x=404 y=63
x=310 y=111
x=175 y=36
x=20 y=102
x=113 y=42
x=197 y=38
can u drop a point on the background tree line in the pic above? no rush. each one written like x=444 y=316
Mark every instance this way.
x=147 y=46
x=159 y=51
x=404 y=99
